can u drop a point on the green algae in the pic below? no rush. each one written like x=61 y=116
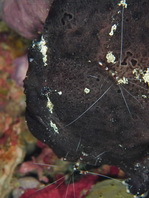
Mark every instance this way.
x=109 y=188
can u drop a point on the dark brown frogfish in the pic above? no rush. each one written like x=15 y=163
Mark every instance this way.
x=87 y=86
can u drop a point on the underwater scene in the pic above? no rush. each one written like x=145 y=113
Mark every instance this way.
x=74 y=99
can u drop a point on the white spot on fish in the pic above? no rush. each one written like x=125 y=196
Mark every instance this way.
x=84 y=154
x=49 y=104
x=53 y=125
x=120 y=146
x=138 y=73
x=87 y=91
x=60 y=92
x=144 y=96
x=110 y=57
x=43 y=49
x=123 y=3
x=122 y=81
x=31 y=60
x=100 y=63
x=146 y=76
x=113 y=29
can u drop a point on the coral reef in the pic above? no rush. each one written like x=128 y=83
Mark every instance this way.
x=25 y=17
x=12 y=104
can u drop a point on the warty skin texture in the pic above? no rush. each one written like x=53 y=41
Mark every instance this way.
x=110 y=124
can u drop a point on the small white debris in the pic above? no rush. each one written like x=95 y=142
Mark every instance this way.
x=33 y=44
x=137 y=165
x=141 y=196
x=84 y=154
x=123 y=3
x=49 y=104
x=110 y=57
x=43 y=49
x=31 y=60
x=124 y=183
x=100 y=63
x=128 y=191
x=113 y=29
x=113 y=73
x=53 y=125
x=60 y=92
x=135 y=72
x=77 y=164
x=138 y=74
x=144 y=96
x=87 y=91
x=122 y=81
x=146 y=76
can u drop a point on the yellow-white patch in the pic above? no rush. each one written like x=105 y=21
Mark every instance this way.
x=100 y=63
x=50 y=105
x=43 y=49
x=55 y=128
x=138 y=74
x=123 y=3
x=84 y=154
x=146 y=76
x=113 y=29
x=110 y=57
x=122 y=81
x=144 y=96
x=87 y=91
